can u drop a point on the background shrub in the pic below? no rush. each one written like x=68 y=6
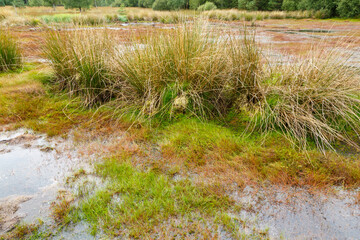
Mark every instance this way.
x=161 y=5
x=207 y=7
x=289 y=5
x=349 y=8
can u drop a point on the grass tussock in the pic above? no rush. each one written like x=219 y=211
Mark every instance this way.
x=189 y=70
x=81 y=60
x=315 y=97
x=10 y=55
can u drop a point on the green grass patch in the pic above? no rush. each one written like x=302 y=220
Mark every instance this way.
x=225 y=156
x=137 y=201
x=57 y=18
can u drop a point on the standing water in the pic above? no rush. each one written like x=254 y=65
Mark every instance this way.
x=32 y=169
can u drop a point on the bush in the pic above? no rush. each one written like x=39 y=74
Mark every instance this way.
x=289 y=5
x=36 y=3
x=18 y=3
x=322 y=14
x=207 y=7
x=176 y=4
x=91 y=20
x=349 y=8
x=194 y=4
x=146 y=3
x=10 y=56
x=161 y=5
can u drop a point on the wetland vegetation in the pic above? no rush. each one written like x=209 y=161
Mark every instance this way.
x=177 y=118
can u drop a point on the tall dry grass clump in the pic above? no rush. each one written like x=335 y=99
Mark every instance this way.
x=316 y=97
x=189 y=69
x=10 y=54
x=81 y=60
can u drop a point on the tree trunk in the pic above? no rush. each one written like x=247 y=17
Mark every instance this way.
x=80 y=9
x=54 y=7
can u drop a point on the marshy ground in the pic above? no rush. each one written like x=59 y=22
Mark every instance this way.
x=72 y=172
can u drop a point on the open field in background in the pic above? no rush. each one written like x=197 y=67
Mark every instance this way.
x=289 y=36
x=36 y=15
x=189 y=176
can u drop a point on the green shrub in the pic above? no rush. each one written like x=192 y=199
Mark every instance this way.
x=322 y=14
x=10 y=56
x=289 y=5
x=207 y=7
x=18 y=3
x=176 y=4
x=34 y=22
x=36 y=3
x=122 y=18
x=160 y=5
x=194 y=4
x=91 y=20
x=349 y=8
x=146 y=3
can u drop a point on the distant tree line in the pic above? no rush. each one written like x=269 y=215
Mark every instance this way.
x=328 y=8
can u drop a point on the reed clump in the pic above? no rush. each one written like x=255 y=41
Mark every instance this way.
x=81 y=60
x=10 y=54
x=189 y=70
x=314 y=97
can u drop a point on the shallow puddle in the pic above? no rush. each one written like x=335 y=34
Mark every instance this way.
x=295 y=213
x=32 y=169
